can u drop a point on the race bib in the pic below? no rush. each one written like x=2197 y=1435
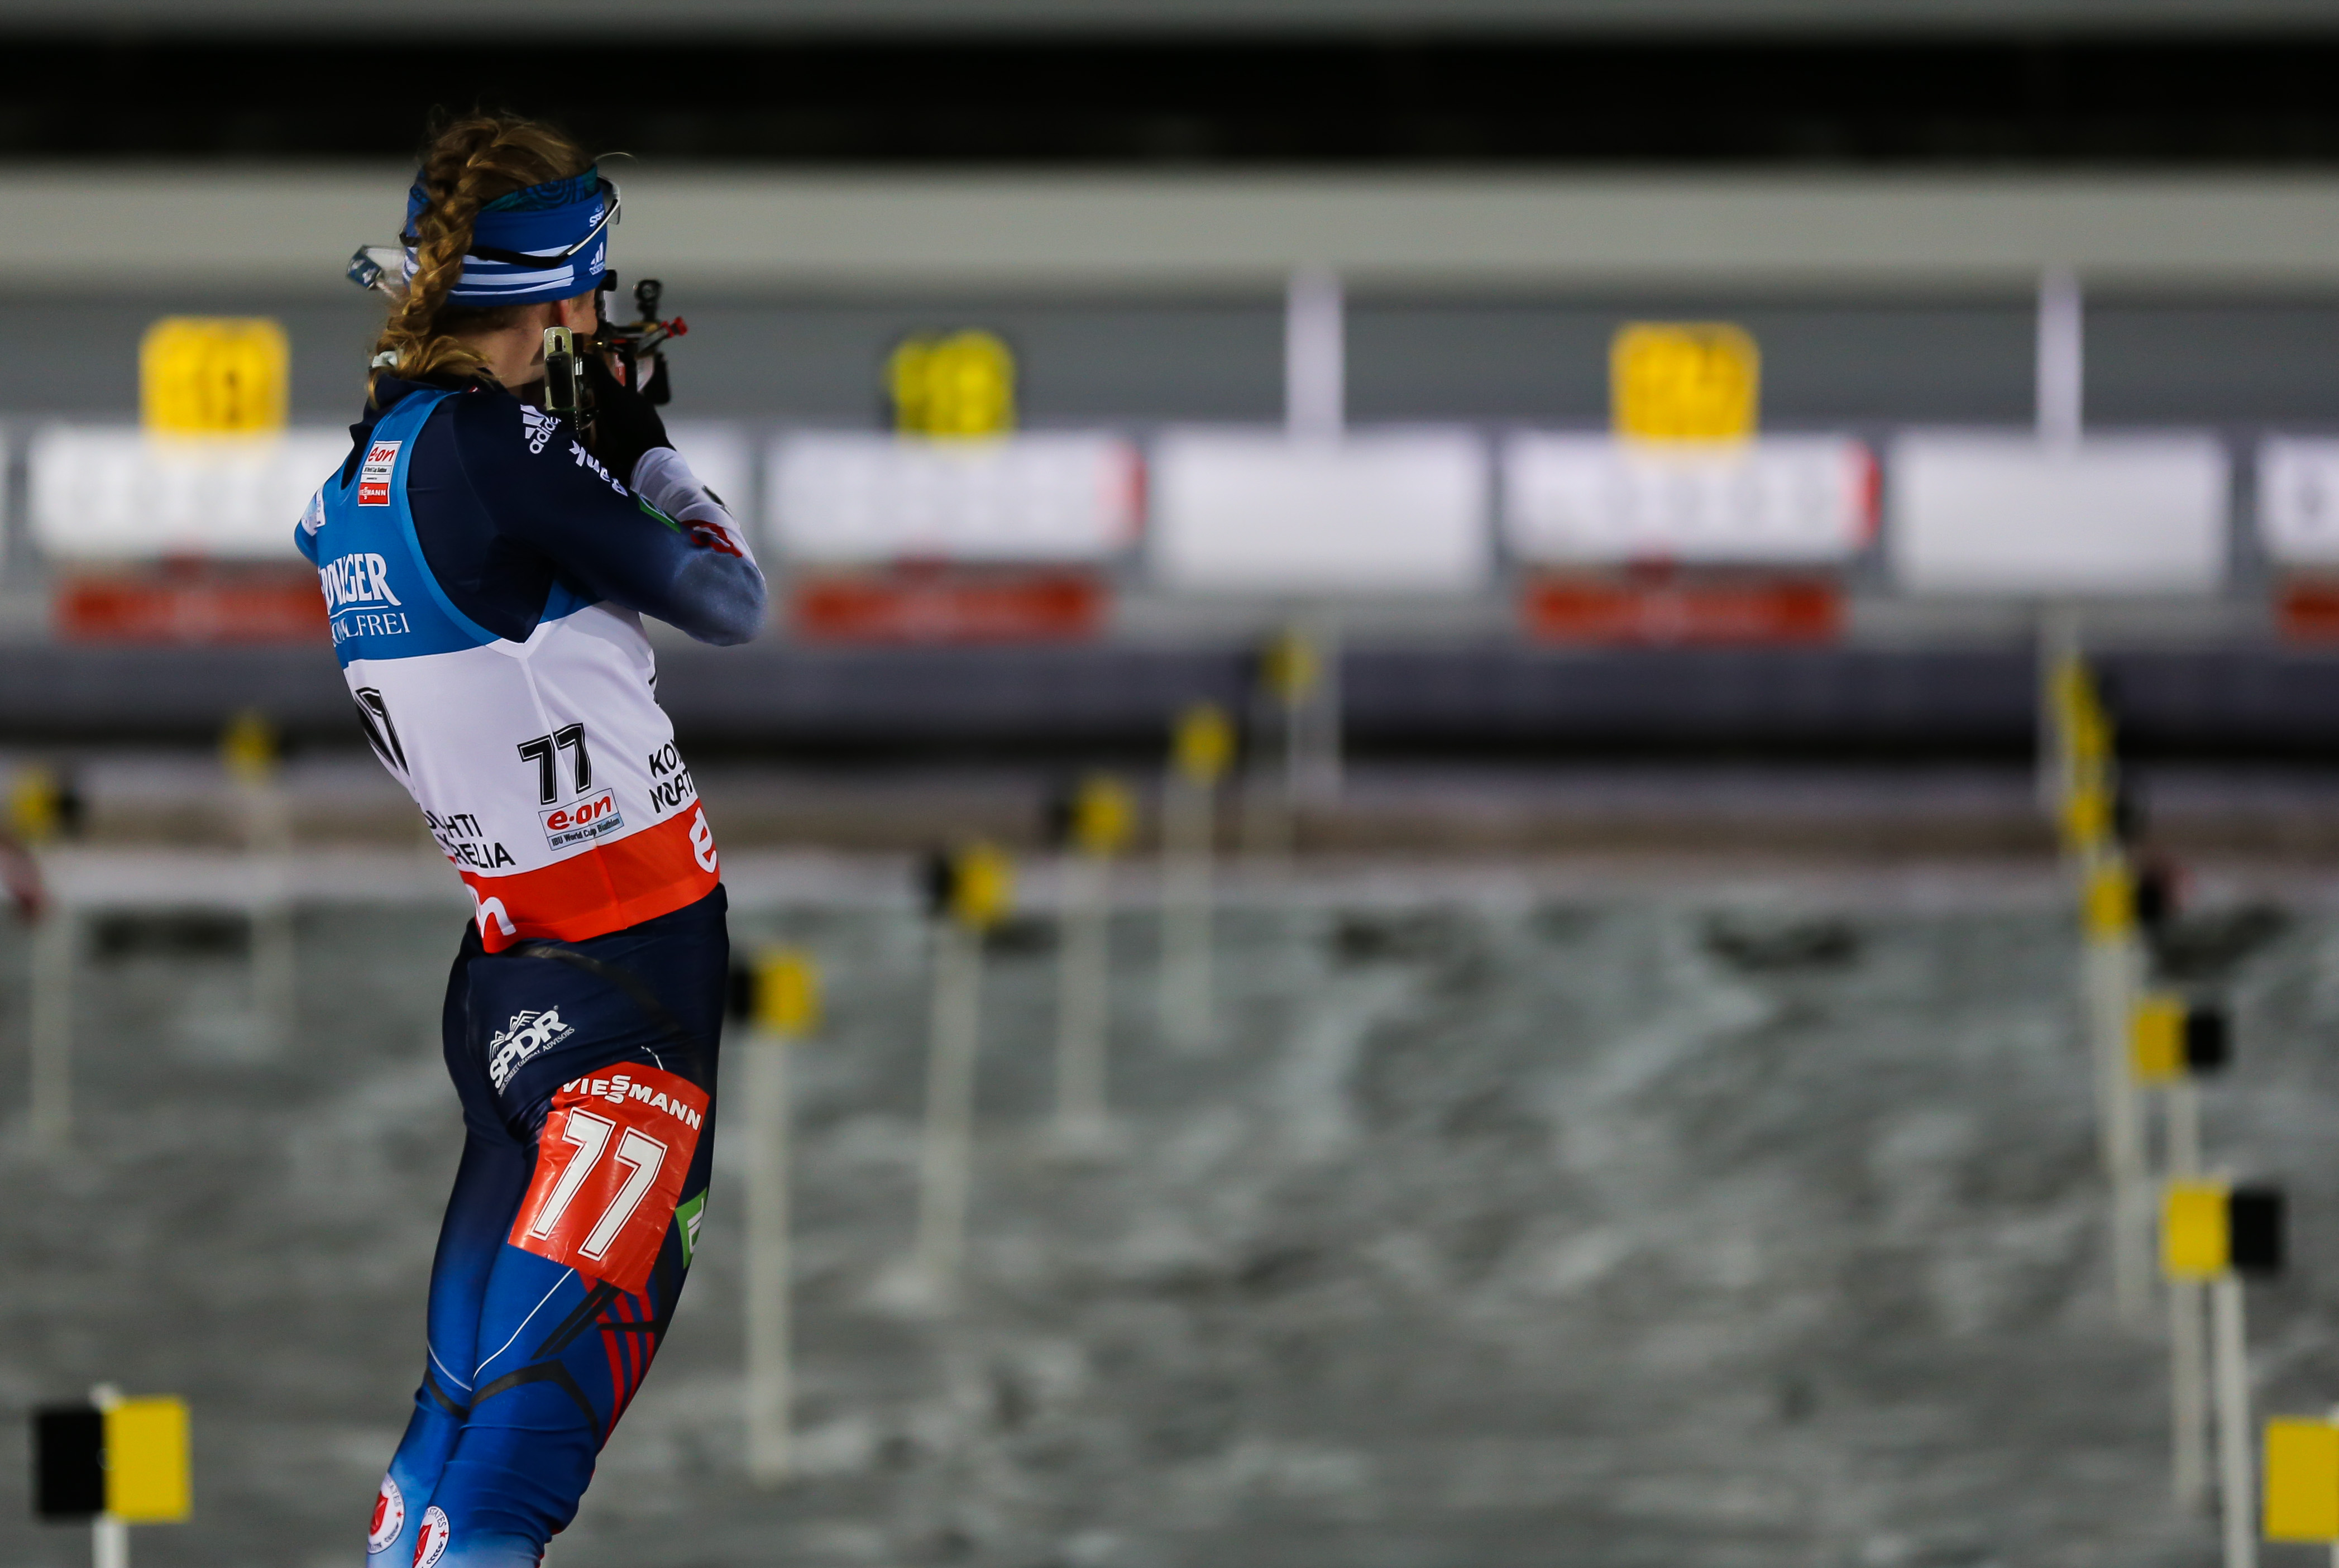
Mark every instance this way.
x=609 y=1168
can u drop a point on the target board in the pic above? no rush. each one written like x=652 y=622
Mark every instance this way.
x=1399 y=512
x=1592 y=500
x=115 y=493
x=1987 y=514
x=851 y=499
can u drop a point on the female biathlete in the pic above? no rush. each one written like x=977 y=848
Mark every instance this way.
x=486 y=565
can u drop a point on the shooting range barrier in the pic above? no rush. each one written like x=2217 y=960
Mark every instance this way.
x=776 y=996
x=969 y=891
x=2213 y=1233
x=259 y=886
x=1201 y=749
x=2302 y=1481
x=1096 y=822
x=113 y=1461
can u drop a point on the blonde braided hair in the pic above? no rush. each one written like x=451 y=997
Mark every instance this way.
x=470 y=163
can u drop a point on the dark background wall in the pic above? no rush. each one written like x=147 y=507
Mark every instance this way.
x=1360 y=93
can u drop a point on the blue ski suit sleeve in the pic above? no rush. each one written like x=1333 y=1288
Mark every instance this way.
x=548 y=494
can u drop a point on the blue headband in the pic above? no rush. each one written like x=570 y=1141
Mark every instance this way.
x=548 y=242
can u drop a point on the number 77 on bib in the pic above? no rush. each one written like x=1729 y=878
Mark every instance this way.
x=609 y=1168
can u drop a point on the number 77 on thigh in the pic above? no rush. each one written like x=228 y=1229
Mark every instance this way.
x=609 y=1168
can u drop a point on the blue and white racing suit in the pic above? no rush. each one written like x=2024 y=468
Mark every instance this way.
x=486 y=576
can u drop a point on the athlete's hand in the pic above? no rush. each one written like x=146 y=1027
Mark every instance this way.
x=657 y=385
x=624 y=424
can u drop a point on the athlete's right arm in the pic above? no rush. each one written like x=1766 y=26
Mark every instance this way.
x=545 y=490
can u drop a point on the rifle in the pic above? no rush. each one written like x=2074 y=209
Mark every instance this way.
x=626 y=348
x=630 y=342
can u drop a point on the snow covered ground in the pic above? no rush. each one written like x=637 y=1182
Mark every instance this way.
x=1600 y=1223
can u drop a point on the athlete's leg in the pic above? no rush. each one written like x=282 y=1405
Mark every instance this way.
x=602 y=1055
x=566 y=1355
x=489 y=1185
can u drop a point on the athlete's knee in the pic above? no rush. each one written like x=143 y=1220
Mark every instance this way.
x=475 y=1538
x=505 y=1492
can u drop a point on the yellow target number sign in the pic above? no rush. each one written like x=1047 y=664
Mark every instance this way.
x=2302 y=1481
x=213 y=375
x=1204 y=745
x=1684 y=381
x=961 y=384
x=787 y=992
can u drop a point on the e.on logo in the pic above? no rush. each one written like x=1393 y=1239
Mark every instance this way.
x=593 y=817
x=373 y=478
x=582 y=813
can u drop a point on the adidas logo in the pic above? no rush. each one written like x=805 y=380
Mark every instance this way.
x=537 y=427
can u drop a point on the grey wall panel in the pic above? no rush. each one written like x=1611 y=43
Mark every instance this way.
x=1860 y=361
x=1078 y=359
x=2195 y=363
x=77 y=355
x=1823 y=362
x=1842 y=363
x=818 y=361
x=792 y=231
x=1526 y=360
